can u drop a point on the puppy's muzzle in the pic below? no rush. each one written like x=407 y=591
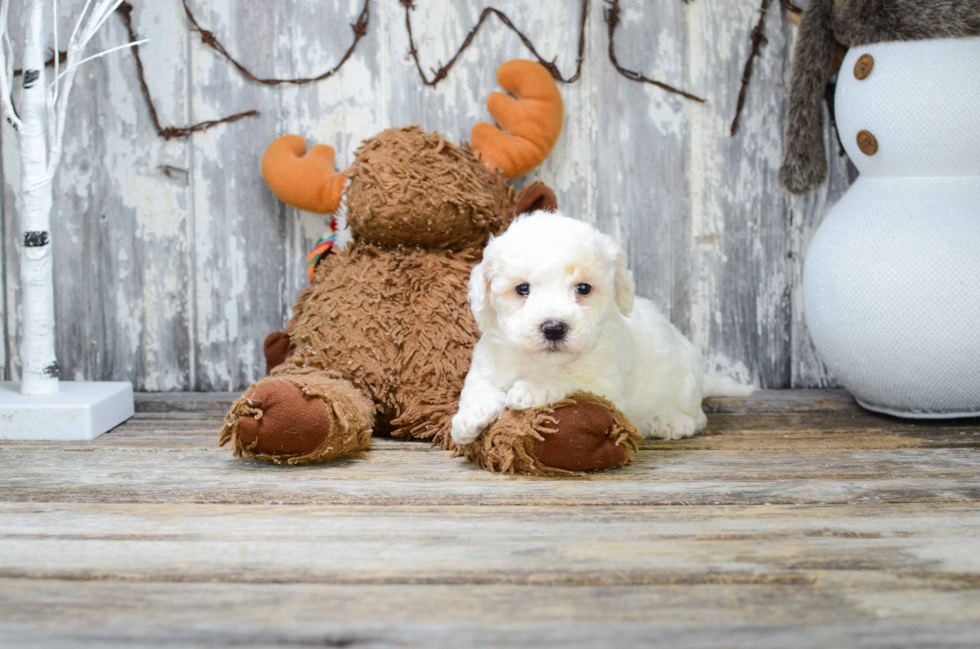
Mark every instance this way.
x=554 y=330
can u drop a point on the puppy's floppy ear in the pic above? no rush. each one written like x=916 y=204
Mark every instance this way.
x=479 y=295
x=623 y=278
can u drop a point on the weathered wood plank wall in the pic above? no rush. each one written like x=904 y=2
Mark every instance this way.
x=174 y=260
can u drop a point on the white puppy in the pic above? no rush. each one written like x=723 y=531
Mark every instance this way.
x=554 y=300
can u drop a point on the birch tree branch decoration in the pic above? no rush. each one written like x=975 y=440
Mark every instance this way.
x=40 y=129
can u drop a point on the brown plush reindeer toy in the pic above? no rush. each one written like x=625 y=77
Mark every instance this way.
x=381 y=340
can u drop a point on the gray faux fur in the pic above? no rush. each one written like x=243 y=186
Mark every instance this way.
x=852 y=22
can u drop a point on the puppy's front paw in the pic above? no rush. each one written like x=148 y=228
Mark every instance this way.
x=675 y=427
x=469 y=422
x=525 y=394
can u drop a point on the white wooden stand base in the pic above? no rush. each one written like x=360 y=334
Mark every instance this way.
x=80 y=410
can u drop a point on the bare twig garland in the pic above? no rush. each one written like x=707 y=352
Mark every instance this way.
x=758 y=40
x=125 y=11
x=611 y=15
x=443 y=71
x=208 y=38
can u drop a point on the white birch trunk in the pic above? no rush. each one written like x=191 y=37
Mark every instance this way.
x=40 y=367
x=40 y=128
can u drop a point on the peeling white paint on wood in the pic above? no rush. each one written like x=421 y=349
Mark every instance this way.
x=173 y=260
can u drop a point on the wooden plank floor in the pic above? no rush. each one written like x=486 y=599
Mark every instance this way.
x=796 y=520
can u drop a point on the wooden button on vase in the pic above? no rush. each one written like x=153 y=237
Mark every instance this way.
x=863 y=67
x=867 y=143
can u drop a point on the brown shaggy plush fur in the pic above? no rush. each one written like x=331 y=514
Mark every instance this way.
x=395 y=323
x=412 y=187
x=852 y=23
x=517 y=441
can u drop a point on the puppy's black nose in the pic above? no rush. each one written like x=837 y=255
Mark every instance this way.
x=554 y=330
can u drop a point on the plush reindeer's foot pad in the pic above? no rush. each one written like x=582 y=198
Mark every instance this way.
x=287 y=421
x=582 y=433
x=299 y=419
x=588 y=438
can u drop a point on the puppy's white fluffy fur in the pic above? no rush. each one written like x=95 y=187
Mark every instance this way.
x=615 y=345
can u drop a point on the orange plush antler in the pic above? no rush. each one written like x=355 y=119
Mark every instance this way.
x=308 y=181
x=531 y=123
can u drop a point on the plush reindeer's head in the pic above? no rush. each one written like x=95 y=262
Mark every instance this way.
x=412 y=187
x=409 y=187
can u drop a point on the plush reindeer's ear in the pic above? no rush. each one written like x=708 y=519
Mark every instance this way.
x=479 y=295
x=534 y=197
x=308 y=181
x=531 y=122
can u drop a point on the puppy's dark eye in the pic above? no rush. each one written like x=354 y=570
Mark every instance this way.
x=523 y=289
x=583 y=289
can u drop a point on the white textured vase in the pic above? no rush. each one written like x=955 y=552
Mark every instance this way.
x=891 y=284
